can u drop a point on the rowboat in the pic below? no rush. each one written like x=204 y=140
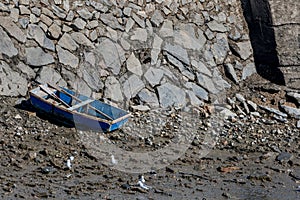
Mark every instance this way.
x=78 y=109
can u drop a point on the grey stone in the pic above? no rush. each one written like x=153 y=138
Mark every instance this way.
x=194 y=100
x=178 y=64
x=113 y=89
x=133 y=65
x=227 y=114
x=157 y=18
x=85 y=14
x=47 y=12
x=70 y=16
x=113 y=55
x=79 y=23
x=156 y=49
x=138 y=20
x=186 y=37
x=140 y=35
x=240 y=97
x=111 y=21
x=12 y=29
x=91 y=75
x=141 y=108
x=129 y=25
x=197 y=90
x=24 y=10
x=6 y=45
x=36 y=33
x=148 y=97
x=201 y=67
x=67 y=58
x=154 y=76
x=36 y=11
x=178 y=52
x=47 y=20
x=24 y=22
x=252 y=105
x=292 y=112
x=35 y=56
x=81 y=39
x=12 y=84
x=99 y=6
x=127 y=11
x=167 y=29
x=219 y=82
x=92 y=24
x=220 y=49
x=295 y=96
x=215 y=26
x=50 y=75
x=33 y=19
x=59 y=12
x=298 y=124
x=248 y=70
x=55 y=31
x=229 y=69
x=284 y=157
x=25 y=69
x=207 y=83
x=67 y=42
x=3 y=7
x=132 y=86
x=171 y=95
x=244 y=49
x=273 y=110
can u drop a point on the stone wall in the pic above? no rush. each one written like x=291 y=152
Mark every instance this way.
x=152 y=52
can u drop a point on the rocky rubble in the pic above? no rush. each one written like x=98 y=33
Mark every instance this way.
x=149 y=47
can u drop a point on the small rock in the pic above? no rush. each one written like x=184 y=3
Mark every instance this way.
x=298 y=124
x=85 y=14
x=67 y=58
x=244 y=49
x=240 y=97
x=231 y=72
x=166 y=29
x=295 y=96
x=12 y=29
x=132 y=86
x=153 y=76
x=141 y=108
x=79 y=23
x=248 y=70
x=37 y=57
x=170 y=95
x=6 y=45
x=81 y=39
x=148 y=97
x=252 y=105
x=215 y=26
x=133 y=65
x=292 y=112
x=178 y=52
x=220 y=49
x=157 y=18
x=275 y=111
x=140 y=35
x=284 y=157
x=113 y=89
x=67 y=42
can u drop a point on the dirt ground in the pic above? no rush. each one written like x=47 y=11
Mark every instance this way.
x=253 y=158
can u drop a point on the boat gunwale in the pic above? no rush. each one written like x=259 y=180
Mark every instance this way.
x=82 y=114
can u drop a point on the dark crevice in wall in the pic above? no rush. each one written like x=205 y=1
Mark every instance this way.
x=258 y=17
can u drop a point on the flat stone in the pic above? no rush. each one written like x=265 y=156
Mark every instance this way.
x=129 y=25
x=201 y=67
x=273 y=110
x=91 y=75
x=6 y=45
x=36 y=11
x=14 y=14
x=4 y=8
x=35 y=56
x=85 y=14
x=81 y=39
x=171 y=95
x=79 y=23
x=167 y=29
x=154 y=76
x=111 y=21
x=197 y=90
x=240 y=97
x=24 y=10
x=25 y=69
x=59 y=12
x=298 y=124
x=215 y=26
x=220 y=49
x=55 y=31
x=194 y=99
x=67 y=42
x=244 y=49
x=284 y=157
x=292 y=112
x=186 y=37
x=248 y=70
x=67 y=58
x=132 y=86
x=140 y=35
x=45 y=19
x=70 y=16
x=12 y=84
x=230 y=72
x=157 y=18
x=113 y=55
x=127 y=11
x=133 y=65
x=12 y=29
x=36 y=33
x=113 y=89
x=252 y=105
x=227 y=114
x=178 y=52
x=50 y=75
x=141 y=108
x=220 y=84
x=156 y=49
x=138 y=20
x=207 y=83
x=92 y=24
x=178 y=64
x=148 y=97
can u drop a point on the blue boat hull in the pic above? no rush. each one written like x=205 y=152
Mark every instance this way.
x=90 y=120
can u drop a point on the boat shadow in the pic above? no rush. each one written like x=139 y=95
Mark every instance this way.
x=26 y=106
